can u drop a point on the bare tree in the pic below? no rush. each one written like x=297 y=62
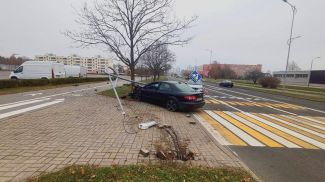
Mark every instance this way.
x=129 y=28
x=293 y=66
x=254 y=75
x=158 y=60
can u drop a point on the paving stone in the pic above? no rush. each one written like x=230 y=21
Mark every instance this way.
x=81 y=132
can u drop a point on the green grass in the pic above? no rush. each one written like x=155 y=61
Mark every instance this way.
x=7 y=91
x=144 y=173
x=301 y=92
x=124 y=90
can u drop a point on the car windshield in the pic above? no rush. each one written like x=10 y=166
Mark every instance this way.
x=183 y=87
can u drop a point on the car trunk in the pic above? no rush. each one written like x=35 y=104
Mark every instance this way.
x=189 y=97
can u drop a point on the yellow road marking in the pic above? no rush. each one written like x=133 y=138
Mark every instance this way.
x=208 y=101
x=264 y=139
x=257 y=104
x=232 y=138
x=310 y=135
x=240 y=103
x=277 y=132
x=215 y=102
x=311 y=122
x=320 y=119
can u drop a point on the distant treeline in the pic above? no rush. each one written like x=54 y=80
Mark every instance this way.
x=10 y=63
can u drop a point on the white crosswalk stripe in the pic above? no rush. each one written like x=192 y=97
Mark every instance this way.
x=27 y=108
x=21 y=104
x=266 y=130
x=286 y=130
x=244 y=136
x=296 y=126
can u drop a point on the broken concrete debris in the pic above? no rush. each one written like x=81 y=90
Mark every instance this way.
x=161 y=155
x=147 y=124
x=144 y=152
x=193 y=122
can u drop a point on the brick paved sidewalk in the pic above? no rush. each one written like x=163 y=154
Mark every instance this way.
x=89 y=130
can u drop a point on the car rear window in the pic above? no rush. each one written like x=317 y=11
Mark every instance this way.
x=182 y=87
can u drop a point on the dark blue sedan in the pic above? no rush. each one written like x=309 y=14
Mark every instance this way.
x=172 y=94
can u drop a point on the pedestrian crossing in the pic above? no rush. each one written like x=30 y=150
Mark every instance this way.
x=255 y=104
x=16 y=108
x=238 y=98
x=266 y=130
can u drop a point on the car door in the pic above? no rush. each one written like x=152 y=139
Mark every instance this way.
x=149 y=92
x=19 y=72
x=164 y=92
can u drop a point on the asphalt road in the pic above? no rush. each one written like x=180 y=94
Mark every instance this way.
x=15 y=104
x=277 y=137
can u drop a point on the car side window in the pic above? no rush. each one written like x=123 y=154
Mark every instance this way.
x=164 y=87
x=152 y=86
x=19 y=70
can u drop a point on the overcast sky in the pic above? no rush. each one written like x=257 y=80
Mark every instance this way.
x=238 y=31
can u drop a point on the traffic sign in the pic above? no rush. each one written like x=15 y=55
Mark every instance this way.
x=195 y=76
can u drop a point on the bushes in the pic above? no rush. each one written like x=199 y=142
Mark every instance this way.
x=269 y=82
x=44 y=82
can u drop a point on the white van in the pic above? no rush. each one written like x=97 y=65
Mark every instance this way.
x=75 y=71
x=38 y=70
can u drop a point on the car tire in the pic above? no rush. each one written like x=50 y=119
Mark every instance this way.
x=171 y=105
x=138 y=96
x=14 y=78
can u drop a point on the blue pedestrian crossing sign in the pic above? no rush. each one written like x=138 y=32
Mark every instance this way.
x=195 y=76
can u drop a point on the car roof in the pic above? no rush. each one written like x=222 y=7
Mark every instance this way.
x=172 y=82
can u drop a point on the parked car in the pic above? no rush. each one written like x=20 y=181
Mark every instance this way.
x=173 y=95
x=197 y=86
x=38 y=70
x=75 y=71
x=226 y=83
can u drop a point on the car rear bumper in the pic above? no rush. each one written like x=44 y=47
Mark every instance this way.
x=190 y=105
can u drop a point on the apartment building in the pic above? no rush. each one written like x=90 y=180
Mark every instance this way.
x=239 y=69
x=301 y=77
x=94 y=65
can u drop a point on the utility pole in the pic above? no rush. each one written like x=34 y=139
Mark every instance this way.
x=294 y=12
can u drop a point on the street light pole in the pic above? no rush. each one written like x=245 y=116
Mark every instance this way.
x=311 y=68
x=210 y=59
x=211 y=52
x=294 y=12
x=292 y=39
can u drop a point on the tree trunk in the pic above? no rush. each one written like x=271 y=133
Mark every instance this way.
x=132 y=70
x=158 y=76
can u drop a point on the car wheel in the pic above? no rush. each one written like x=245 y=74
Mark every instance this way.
x=138 y=96
x=171 y=105
x=14 y=78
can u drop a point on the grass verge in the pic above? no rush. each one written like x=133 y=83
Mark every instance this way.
x=124 y=90
x=121 y=91
x=19 y=86
x=145 y=173
x=7 y=91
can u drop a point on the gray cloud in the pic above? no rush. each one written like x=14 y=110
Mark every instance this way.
x=241 y=32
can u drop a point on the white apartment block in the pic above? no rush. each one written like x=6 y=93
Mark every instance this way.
x=95 y=65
